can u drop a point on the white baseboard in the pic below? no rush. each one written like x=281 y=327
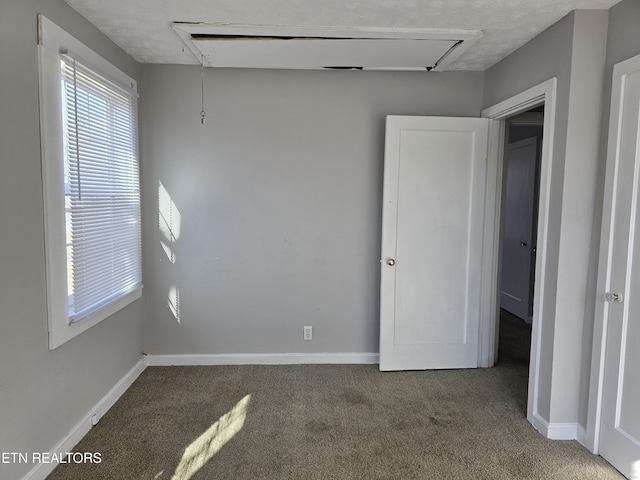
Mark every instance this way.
x=540 y=424
x=562 y=431
x=263 y=359
x=66 y=444
x=555 y=431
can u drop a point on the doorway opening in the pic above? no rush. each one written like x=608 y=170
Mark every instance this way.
x=520 y=198
x=518 y=236
x=538 y=387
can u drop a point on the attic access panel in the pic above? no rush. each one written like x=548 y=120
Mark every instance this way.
x=259 y=46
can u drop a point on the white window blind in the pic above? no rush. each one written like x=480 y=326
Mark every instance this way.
x=102 y=193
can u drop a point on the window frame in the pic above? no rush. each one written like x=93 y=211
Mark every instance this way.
x=52 y=42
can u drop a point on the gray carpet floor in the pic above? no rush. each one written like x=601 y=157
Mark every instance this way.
x=332 y=422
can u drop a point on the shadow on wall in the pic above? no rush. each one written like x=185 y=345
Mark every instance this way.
x=169 y=222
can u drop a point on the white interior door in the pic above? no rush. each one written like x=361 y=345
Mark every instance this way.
x=620 y=421
x=518 y=227
x=432 y=228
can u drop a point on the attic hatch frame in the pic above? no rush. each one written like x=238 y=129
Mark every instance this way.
x=457 y=41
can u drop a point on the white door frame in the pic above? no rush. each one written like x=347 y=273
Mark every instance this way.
x=596 y=385
x=542 y=93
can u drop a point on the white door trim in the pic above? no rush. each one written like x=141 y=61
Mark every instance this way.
x=542 y=93
x=596 y=384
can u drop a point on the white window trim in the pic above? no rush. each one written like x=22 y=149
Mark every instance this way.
x=52 y=41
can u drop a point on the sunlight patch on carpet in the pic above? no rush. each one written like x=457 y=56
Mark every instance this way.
x=203 y=448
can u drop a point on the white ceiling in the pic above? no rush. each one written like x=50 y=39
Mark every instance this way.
x=143 y=27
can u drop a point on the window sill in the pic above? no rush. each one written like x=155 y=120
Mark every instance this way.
x=64 y=333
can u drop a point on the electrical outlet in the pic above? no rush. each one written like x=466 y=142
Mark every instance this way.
x=308 y=333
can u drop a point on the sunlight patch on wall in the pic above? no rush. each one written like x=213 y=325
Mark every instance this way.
x=171 y=256
x=173 y=300
x=203 y=448
x=169 y=221
x=635 y=470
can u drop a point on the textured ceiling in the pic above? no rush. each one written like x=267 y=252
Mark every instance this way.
x=143 y=27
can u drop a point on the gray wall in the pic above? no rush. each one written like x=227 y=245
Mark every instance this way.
x=43 y=393
x=279 y=200
x=522 y=132
x=573 y=50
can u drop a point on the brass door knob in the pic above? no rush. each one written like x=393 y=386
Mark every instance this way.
x=391 y=261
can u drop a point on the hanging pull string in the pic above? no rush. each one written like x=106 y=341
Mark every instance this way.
x=203 y=114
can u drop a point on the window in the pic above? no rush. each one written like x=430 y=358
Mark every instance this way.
x=91 y=184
